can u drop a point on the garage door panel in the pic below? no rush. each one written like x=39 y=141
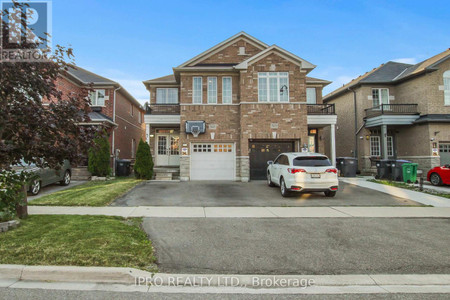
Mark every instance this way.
x=263 y=151
x=213 y=161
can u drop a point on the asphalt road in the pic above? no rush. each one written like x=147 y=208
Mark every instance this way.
x=301 y=246
x=45 y=294
x=255 y=193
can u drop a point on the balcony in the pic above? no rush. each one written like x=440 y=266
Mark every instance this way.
x=163 y=109
x=320 y=109
x=392 y=109
x=391 y=114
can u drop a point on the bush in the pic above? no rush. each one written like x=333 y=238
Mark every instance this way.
x=143 y=167
x=99 y=157
x=11 y=193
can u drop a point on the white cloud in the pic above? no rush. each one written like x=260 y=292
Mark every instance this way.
x=406 y=60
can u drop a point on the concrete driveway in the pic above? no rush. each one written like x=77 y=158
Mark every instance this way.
x=301 y=246
x=255 y=193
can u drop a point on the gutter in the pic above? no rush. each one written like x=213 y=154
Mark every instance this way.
x=113 y=133
x=356 y=122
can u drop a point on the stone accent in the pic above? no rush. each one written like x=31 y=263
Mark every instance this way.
x=5 y=226
x=81 y=173
x=185 y=168
x=244 y=167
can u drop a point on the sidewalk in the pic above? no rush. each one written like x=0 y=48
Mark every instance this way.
x=247 y=212
x=133 y=280
x=420 y=197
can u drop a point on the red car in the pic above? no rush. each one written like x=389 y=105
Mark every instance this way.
x=439 y=175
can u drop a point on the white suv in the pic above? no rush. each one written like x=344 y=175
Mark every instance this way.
x=303 y=172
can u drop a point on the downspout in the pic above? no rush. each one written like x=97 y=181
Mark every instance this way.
x=356 y=123
x=113 y=148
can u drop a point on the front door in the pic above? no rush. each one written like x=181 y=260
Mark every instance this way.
x=167 y=150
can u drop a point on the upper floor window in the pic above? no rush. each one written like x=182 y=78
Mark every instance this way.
x=447 y=87
x=380 y=96
x=212 y=90
x=226 y=90
x=311 y=97
x=166 y=96
x=97 y=98
x=273 y=87
x=197 y=90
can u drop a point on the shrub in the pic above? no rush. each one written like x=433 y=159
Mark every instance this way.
x=143 y=167
x=99 y=157
x=11 y=193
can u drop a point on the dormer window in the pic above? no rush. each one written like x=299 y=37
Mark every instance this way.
x=97 y=98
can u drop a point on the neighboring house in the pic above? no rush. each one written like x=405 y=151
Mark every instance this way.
x=255 y=101
x=402 y=111
x=112 y=107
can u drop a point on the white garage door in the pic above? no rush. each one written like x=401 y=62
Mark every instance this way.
x=212 y=161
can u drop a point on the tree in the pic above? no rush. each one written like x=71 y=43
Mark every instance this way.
x=30 y=131
x=143 y=167
x=99 y=158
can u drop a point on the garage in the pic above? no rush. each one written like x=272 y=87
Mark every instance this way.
x=444 y=152
x=263 y=151
x=213 y=161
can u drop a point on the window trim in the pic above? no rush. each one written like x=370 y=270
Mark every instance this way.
x=231 y=90
x=380 y=101
x=194 y=91
x=372 y=147
x=390 y=149
x=167 y=96
x=315 y=95
x=209 y=89
x=267 y=76
x=96 y=98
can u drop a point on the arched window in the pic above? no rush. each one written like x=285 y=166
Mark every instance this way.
x=447 y=87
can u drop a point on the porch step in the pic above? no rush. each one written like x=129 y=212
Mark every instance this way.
x=81 y=173
x=167 y=173
x=163 y=176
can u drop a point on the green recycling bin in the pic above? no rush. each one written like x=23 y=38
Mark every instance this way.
x=410 y=172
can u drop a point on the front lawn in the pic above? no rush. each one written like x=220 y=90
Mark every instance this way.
x=411 y=187
x=92 y=193
x=78 y=241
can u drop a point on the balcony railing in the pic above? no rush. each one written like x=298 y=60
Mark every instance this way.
x=320 y=109
x=163 y=109
x=392 y=109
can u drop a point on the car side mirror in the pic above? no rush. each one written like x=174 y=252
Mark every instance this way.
x=270 y=162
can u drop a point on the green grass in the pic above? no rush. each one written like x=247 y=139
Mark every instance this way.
x=409 y=187
x=92 y=193
x=78 y=241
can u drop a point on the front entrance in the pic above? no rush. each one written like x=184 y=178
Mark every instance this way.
x=263 y=151
x=313 y=145
x=167 y=149
x=444 y=152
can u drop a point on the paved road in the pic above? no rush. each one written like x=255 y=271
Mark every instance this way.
x=45 y=294
x=255 y=193
x=301 y=246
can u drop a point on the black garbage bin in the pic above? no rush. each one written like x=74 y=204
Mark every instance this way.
x=384 y=168
x=123 y=167
x=397 y=169
x=347 y=166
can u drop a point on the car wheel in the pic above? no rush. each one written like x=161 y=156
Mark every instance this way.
x=435 y=179
x=35 y=187
x=330 y=193
x=66 y=179
x=283 y=189
x=269 y=180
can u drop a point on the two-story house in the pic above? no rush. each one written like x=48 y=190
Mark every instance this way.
x=113 y=108
x=398 y=111
x=224 y=113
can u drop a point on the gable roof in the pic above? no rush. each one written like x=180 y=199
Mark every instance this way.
x=223 y=44
x=274 y=48
x=317 y=80
x=392 y=73
x=164 y=79
x=85 y=77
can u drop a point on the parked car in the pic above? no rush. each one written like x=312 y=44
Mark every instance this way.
x=45 y=176
x=303 y=172
x=439 y=175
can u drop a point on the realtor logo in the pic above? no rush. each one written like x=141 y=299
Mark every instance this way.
x=25 y=31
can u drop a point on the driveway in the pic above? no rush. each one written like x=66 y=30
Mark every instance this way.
x=301 y=246
x=255 y=193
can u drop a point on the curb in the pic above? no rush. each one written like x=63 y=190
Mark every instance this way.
x=135 y=277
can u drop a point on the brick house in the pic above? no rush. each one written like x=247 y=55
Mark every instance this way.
x=112 y=108
x=397 y=111
x=252 y=100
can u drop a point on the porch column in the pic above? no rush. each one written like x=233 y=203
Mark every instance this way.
x=147 y=133
x=384 y=146
x=333 y=144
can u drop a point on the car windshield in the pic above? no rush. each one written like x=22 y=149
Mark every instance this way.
x=312 y=161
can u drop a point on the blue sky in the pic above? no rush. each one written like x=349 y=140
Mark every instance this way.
x=132 y=41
